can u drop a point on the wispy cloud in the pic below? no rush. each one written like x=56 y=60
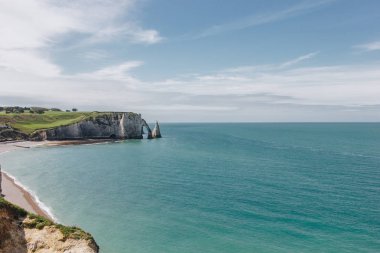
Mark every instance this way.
x=271 y=67
x=120 y=72
x=298 y=60
x=30 y=29
x=372 y=46
x=106 y=20
x=319 y=86
x=133 y=33
x=260 y=19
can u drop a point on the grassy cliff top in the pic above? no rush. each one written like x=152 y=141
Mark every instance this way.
x=29 y=122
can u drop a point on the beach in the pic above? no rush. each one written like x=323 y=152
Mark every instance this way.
x=14 y=192
x=13 y=145
x=17 y=194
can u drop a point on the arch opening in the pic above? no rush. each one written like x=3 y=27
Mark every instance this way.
x=145 y=132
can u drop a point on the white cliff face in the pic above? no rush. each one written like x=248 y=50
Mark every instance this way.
x=121 y=126
x=111 y=125
x=132 y=124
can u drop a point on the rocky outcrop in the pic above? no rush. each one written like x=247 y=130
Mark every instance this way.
x=107 y=126
x=21 y=232
x=156 y=133
x=11 y=135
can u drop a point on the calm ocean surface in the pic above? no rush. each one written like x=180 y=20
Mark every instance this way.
x=217 y=188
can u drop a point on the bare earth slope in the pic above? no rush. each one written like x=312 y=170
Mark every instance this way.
x=21 y=232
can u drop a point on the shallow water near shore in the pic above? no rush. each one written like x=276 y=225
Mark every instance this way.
x=217 y=188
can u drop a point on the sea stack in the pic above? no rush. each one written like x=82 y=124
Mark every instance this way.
x=156 y=131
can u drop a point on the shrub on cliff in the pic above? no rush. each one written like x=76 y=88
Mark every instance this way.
x=13 y=109
x=16 y=211
x=39 y=110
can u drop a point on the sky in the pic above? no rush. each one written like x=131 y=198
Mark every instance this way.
x=195 y=61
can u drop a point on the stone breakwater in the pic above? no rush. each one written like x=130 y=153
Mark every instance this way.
x=116 y=125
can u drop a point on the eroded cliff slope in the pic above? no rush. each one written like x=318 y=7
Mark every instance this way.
x=21 y=232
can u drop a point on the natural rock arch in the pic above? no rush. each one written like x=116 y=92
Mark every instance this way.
x=147 y=128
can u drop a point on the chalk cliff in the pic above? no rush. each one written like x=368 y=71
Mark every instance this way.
x=21 y=232
x=115 y=125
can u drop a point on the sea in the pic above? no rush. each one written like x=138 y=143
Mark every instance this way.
x=217 y=188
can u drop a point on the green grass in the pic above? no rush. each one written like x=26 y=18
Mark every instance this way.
x=30 y=122
x=74 y=233
x=37 y=221
x=17 y=211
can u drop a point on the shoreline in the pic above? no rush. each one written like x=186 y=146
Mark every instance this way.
x=77 y=142
x=15 y=192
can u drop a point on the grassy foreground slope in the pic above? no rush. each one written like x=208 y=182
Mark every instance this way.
x=21 y=231
x=29 y=122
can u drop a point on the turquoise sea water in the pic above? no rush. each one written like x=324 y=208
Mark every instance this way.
x=217 y=188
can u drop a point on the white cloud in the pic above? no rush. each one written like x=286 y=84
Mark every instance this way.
x=133 y=33
x=115 y=73
x=30 y=29
x=31 y=24
x=139 y=35
x=27 y=61
x=372 y=46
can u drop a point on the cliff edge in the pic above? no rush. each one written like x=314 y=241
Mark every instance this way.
x=73 y=126
x=22 y=232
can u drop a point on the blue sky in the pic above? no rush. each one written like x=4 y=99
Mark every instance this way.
x=195 y=60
